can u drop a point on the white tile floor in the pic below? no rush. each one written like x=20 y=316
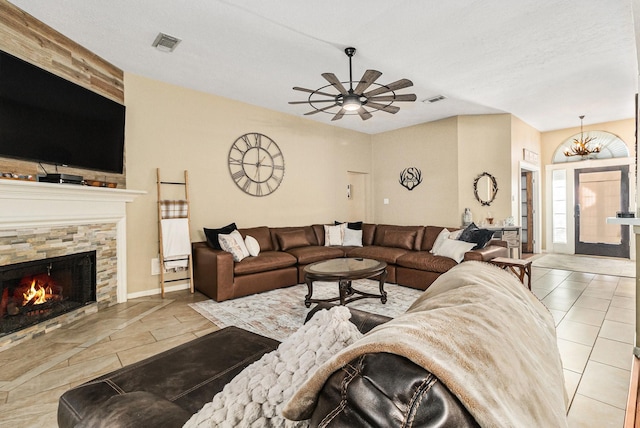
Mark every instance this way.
x=595 y=320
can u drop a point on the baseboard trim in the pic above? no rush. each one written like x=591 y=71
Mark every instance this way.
x=176 y=287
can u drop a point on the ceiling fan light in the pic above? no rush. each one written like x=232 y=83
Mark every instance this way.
x=351 y=103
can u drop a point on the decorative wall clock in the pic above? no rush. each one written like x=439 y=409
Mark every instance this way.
x=256 y=164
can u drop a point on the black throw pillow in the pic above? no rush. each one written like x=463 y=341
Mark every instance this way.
x=212 y=235
x=480 y=237
x=356 y=225
x=467 y=233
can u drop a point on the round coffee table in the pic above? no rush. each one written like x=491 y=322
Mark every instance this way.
x=344 y=271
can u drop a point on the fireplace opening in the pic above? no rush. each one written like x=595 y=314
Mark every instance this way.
x=33 y=292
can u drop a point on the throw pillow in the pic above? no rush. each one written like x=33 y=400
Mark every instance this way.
x=212 y=235
x=480 y=237
x=257 y=395
x=252 y=245
x=234 y=244
x=334 y=235
x=455 y=234
x=467 y=232
x=444 y=234
x=292 y=239
x=454 y=249
x=355 y=225
x=352 y=238
x=399 y=239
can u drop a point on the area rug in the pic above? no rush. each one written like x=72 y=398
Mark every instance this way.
x=278 y=313
x=587 y=264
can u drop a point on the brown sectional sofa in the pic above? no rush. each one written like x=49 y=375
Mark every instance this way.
x=285 y=251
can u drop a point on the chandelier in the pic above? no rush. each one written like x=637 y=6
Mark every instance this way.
x=581 y=147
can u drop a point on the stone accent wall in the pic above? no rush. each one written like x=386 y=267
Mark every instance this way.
x=25 y=245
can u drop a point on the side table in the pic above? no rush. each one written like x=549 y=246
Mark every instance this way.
x=518 y=267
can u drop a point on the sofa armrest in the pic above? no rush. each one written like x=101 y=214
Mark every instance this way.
x=212 y=271
x=495 y=248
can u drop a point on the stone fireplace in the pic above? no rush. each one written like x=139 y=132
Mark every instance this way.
x=41 y=221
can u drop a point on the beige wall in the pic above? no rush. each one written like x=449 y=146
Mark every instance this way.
x=432 y=148
x=176 y=129
x=484 y=145
x=625 y=129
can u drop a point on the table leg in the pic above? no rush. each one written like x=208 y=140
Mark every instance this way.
x=383 y=294
x=307 y=298
x=345 y=290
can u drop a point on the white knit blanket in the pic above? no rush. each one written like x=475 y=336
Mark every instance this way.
x=484 y=335
x=256 y=396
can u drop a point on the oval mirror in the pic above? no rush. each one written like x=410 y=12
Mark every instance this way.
x=485 y=188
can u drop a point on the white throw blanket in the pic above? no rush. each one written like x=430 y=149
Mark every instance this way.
x=176 y=242
x=484 y=335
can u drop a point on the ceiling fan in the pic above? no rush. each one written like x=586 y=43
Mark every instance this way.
x=352 y=101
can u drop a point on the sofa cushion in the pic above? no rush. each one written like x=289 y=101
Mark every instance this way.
x=212 y=235
x=383 y=254
x=352 y=238
x=368 y=233
x=399 y=239
x=381 y=230
x=267 y=260
x=307 y=230
x=262 y=235
x=315 y=253
x=424 y=260
x=252 y=245
x=292 y=239
x=354 y=225
x=430 y=235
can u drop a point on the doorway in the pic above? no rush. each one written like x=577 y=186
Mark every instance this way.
x=526 y=211
x=600 y=192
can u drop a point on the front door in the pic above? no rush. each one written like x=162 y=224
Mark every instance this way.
x=600 y=193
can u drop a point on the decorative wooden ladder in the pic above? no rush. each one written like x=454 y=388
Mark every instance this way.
x=173 y=209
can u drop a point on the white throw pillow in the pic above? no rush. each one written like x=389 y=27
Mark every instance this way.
x=256 y=396
x=234 y=244
x=352 y=237
x=334 y=235
x=444 y=234
x=454 y=249
x=252 y=245
x=455 y=234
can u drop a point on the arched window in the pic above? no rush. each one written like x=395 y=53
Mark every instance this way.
x=611 y=146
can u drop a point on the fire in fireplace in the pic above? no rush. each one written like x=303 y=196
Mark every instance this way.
x=33 y=292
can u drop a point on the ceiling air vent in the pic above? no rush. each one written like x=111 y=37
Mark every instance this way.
x=435 y=99
x=165 y=42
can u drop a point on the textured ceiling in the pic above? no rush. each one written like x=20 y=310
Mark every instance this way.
x=544 y=61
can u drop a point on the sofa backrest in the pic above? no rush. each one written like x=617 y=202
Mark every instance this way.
x=368 y=233
x=430 y=235
x=407 y=237
x=284 y=238
x=262 y=235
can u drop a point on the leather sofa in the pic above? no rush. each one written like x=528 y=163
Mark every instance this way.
x=285 y=251
x=166 y=389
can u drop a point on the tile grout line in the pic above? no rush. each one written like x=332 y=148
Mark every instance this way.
x=77 y=349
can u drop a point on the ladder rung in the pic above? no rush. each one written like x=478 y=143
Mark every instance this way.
x=176 y=280
x=172 y=182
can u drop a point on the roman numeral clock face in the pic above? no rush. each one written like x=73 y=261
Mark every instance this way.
x=256 y=164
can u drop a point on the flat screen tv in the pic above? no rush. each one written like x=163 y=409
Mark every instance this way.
x=45 y=118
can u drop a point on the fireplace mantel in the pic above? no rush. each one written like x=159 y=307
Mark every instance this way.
x=29 y=204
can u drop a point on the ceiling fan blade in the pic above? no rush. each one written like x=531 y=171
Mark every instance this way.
x=388 y=109
x=331 y=78
x=312 y=102
x=398 y=84
x=403 y=97
x=320 y=109
x=364 y=114
x=368 y=78
x=339 y=115
x=311 y=91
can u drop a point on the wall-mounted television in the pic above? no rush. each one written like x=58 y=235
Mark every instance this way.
x=48 y=119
